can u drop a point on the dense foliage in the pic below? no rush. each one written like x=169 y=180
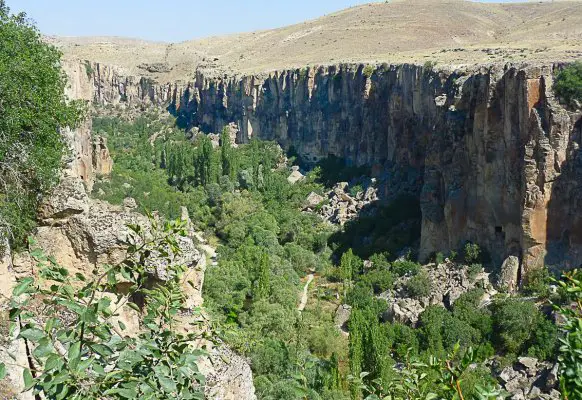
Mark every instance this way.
x=78 y=345
x=241 y=198
x=568 y=83
x=571 y=344
x=32 y=109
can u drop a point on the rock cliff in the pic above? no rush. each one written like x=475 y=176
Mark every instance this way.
x=489 y=152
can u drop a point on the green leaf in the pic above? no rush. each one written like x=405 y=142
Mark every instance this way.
x=22 y=286
x=29 y=381
x=32 y=334
x=167 y=384
x=74 y=351
x=122 y=326
x=54 y=361
x=2 y=371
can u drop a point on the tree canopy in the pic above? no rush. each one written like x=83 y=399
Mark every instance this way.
x=33 y=107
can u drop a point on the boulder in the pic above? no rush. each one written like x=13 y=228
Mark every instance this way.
x=314 y=199
x=508 y=277
x=342 y=316
x=295 y=177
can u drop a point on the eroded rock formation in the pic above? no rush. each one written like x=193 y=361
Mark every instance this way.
x=490 y=153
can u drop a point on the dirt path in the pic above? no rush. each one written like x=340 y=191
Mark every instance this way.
x=303 y=302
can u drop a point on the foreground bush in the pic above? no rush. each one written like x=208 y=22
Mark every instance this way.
x=81 y=351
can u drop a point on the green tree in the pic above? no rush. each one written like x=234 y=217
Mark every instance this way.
x=263 y=277
x=227 y=155
x=570 y=352
x=32 y=111
x=568 y=84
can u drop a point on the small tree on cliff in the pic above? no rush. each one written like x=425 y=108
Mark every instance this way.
x=568 y=84
x=33 y=107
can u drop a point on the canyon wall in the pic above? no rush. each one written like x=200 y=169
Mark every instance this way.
x=490 y=153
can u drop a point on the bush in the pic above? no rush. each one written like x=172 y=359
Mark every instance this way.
x=537 y=283
x=570 y=352
x=472 y=253
x=520 y=328
x=419 y=286
x=368 y=71
x=568 y=83
x=379 y=280
x=405 y=267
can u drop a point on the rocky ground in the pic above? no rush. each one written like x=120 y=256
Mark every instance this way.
x=341 y=204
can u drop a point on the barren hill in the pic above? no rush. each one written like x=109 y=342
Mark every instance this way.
x=446 y=31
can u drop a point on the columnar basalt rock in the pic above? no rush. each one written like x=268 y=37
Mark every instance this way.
x=490 y=153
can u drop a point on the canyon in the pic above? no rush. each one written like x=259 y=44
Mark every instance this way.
x=461 y=114
x=489 y=151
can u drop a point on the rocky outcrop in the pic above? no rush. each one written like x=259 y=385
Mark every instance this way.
x=82 y=233
x=339 y=206
x=530 y=379
x=88 y=156
x=489 y=152
x=447 y=283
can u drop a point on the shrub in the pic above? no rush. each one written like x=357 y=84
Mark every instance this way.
x=472 y=252
x=570 y=352
x=368 y=71
x=568 y=83
x=429 y=65
x=405 y=267
x=537 y=283
x=354 y=190
x=419 y=286
x=89 y=69
x=379 y=280
x=520 y=328
x=78 y=346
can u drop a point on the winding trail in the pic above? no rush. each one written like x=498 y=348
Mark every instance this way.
x=303 y=302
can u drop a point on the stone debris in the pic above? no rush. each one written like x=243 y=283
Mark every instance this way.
x=448 y=283
x=340 y=206
x=530 y=379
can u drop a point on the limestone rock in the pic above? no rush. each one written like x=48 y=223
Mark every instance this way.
x=129 y=203
x=448 y=283
x=342 y=316
x=313 y=200
x=508 y=277
x=513 y=188
x=295 y=177
x=67 y=199
x=228 y=376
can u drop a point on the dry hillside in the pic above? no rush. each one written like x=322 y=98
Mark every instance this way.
x=445 y=31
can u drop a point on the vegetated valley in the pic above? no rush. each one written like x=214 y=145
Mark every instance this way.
x=292 y=235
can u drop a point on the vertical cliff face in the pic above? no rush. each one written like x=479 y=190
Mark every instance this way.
x=491 y=155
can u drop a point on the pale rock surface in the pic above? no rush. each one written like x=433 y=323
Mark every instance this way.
x=509 y=274
x=295 y=177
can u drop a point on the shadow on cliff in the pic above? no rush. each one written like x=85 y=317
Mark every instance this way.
x=381 y=228
x=564 y=220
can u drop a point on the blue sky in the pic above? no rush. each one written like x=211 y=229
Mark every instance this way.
x=170 y=20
